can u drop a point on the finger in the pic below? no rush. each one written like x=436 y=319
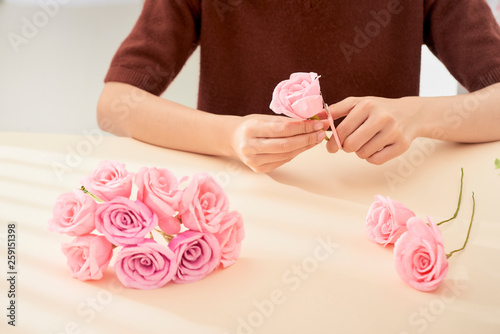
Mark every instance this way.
x=286 y=145
x=387 y=153
x=326 y=124
x=361 y=136
x=266 y=168
x=375 y=144
x=323 y=115
x=259 y=160
x=343 y=107
x=281 y=128
x=332 y=146
x=356 y=117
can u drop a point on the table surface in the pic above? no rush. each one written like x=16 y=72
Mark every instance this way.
x=306 y=265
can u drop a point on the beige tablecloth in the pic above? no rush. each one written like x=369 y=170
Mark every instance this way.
x=306 y=265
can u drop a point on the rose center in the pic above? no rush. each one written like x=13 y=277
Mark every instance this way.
x=207 y=201
x=193 y=253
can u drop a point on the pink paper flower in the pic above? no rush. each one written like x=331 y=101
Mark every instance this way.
x=73 y=214
x=203 y=205
x=109 y=180
x=146 y=266
x=159 y=190
x=419 y=255
x=197 y=255
x=298 y=97
x=230 y=236
x=386 y=220
x=125 y=222
x=88 y=256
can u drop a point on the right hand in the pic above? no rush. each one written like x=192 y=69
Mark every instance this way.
x=265 y=142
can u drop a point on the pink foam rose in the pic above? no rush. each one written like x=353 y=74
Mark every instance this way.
x=73 y=214
x=125 y=222
x=159 y=190
x=197 y=255
x=230 y=236
x=203 y=204
x=386 y=220
x=419 y=255
x=298 y=97
x=88 y=256
x=109 y=180
x=145 y=266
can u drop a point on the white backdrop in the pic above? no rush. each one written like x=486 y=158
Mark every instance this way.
x=52 y=82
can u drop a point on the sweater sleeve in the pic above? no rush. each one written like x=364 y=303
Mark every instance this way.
x=165 y=35
x=464 y=35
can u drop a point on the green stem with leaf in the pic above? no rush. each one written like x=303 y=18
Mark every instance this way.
x=459 y=199
x=91 y=195
x=468 y=232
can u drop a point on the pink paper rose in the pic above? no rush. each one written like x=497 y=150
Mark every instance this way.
x=230 y=236
x=88 y=256
x=386 y=220
x=197 y=255
x=73 y=214
x=298 y=97
x=419 y=255
x=159 y=190
x=109 y=180
x=125 y=222
x=203 y=205
x=146 y=266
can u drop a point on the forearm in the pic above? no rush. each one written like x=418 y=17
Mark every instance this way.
x=125 y=110
x=468 y=118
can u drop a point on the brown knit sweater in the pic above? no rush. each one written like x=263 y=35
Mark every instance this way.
x=359 y=47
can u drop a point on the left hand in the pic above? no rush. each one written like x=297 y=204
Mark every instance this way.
x=377 y=129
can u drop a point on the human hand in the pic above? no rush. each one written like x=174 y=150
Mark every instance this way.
x=265 y=142
x=377 y=129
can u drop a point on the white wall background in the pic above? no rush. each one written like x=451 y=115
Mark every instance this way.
x=53 y=82
x=77 y=3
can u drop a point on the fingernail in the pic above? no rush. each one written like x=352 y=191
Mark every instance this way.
x=321 y=135
x=318 y=126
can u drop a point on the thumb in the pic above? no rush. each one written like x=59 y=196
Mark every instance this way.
x=344 y=107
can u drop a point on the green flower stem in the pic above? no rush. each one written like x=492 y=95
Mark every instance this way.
x=166 y=236
x=468 y=232
x=316 y=117
x=459 y=199
x=91 y=195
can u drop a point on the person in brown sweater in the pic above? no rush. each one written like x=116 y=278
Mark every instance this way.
x=368 y=54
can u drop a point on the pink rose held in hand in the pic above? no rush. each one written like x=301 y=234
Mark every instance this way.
x=109 y=180
x=146 y=266
x=203 y=205
x=88 y=256
x=386 y=220
x=298 y=97
x=159 y=190
x=197 y=255
x=419 y=255
x=73 y=214
x=125 y=222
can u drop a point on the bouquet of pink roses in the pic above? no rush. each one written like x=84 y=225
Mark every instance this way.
x=198 y=231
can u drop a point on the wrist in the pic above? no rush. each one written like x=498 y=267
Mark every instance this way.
x=428 y=115
x=417 y=108
x=227 y=134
